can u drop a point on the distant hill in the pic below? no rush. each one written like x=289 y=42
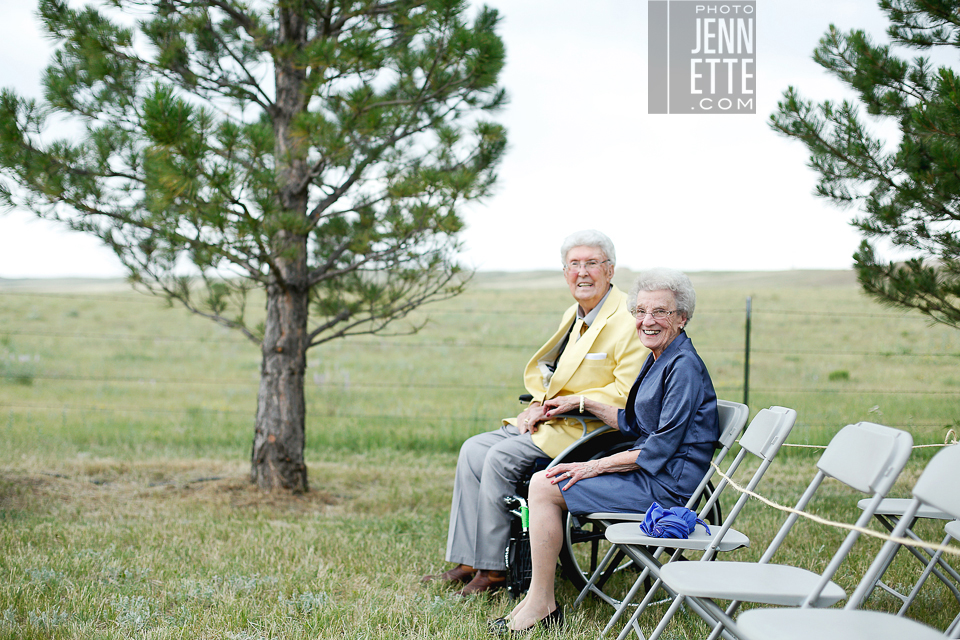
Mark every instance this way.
x=509 y=280
x=65 y=285
x=701 y=279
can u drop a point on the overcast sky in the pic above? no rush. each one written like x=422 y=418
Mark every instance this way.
x=694 y=192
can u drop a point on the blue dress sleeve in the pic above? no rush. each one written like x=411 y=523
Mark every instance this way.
x=682 y=394
x=630 y=428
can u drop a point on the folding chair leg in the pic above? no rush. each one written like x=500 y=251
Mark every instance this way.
x=720 y=628
x=651 y=591
x=931 y=566
x=609 y=572
x=936 y=571
x=627 y=599
x=953 y=631
x=879 y=580
x=945 y=581
x=674 y=606
x=640 y=607
x=632 y=623
x=946 y=567
x=596 y=576
x=707 y=611
x=676 y=602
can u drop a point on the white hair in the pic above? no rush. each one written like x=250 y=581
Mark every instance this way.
x=660 y=278
x=588 y=238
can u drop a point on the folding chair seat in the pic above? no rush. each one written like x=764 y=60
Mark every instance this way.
x=864 y=456
x=732 y=419
x=936 y=489
x=763 y=438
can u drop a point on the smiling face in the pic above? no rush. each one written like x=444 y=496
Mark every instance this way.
x=657 y=335
x=588 y=285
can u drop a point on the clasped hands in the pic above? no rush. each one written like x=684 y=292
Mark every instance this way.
x=537 y=413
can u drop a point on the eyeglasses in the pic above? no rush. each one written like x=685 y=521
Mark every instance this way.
x=589 y=265
x=656 y=314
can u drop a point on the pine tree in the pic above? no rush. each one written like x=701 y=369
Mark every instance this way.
x=907 y=191
x=318 y=151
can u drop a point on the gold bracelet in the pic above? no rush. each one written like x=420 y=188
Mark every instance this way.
x=581 y=404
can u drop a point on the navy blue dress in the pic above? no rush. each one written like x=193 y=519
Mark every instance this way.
x=672 y=412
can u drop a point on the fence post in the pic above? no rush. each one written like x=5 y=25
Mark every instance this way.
x=746 y=357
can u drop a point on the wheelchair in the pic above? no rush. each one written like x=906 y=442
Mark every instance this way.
x=584 y=543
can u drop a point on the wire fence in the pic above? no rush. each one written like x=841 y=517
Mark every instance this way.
x=746 y=352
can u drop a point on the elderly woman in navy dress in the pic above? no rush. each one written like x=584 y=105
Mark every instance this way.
x=671 y=411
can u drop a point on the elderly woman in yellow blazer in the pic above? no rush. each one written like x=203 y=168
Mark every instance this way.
x=595 y=353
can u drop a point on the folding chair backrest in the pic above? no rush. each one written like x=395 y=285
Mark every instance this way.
x=938 y=486
x=767 y=431
x=733 y=417
x=867 y=456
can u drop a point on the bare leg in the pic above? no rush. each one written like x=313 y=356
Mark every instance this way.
x=546 y=539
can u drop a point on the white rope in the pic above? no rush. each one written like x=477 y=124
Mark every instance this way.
x=947 y=441
x=841 y=525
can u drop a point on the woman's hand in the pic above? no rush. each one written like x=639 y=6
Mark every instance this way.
x=574 y=472
x=561 y=404
x=527 y=421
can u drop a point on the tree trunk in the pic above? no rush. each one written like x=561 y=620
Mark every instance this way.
x=277 y=459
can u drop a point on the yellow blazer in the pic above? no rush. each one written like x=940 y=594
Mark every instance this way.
x=602 y=365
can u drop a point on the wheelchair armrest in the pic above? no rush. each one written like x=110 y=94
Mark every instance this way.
x=587 y=437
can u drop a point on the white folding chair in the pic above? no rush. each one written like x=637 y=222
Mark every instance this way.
x=936 y=488
x=732 y=418
x=864 y=456
x=763 y=438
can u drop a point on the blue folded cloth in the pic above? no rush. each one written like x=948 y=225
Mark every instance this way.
x=676 y=522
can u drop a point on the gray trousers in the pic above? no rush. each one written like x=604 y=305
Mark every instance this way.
x=489 y=466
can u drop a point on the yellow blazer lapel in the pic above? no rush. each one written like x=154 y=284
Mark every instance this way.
x=533 y=376
x=579 y=350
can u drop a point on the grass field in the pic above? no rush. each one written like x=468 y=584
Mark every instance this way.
x=125 y=509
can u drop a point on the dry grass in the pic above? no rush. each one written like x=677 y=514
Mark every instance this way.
x=187 y=548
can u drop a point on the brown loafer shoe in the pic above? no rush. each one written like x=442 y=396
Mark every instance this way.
x=461 y=573
x=484 y=581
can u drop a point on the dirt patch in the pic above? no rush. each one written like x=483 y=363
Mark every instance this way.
x=118 y=495
x=243 y=494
